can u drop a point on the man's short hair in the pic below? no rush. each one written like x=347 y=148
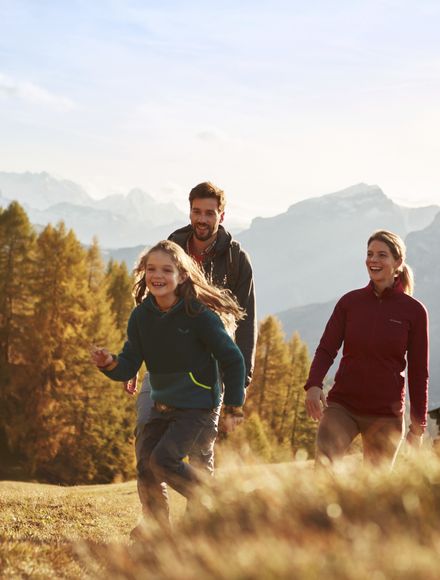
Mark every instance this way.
x=208 y=190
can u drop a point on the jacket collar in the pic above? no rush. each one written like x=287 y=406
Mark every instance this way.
x=394 y=290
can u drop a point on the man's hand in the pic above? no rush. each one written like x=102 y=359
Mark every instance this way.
x=101 y=357
x=231 y=417
x=316 y=401
x=130 y=386
x=230 y=422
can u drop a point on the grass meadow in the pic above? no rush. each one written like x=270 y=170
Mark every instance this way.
x=273 y=521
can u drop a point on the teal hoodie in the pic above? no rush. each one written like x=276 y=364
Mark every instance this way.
x=181 y=352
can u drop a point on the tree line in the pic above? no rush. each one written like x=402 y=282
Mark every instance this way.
x=277 y=427
x=60 y=419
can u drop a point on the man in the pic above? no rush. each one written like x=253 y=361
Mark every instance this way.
x=228 y=266
x=222 y=259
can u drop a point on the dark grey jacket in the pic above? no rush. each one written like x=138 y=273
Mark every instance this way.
x=230 y=267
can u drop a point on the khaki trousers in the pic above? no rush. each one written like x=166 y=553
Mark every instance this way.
x=381 y=436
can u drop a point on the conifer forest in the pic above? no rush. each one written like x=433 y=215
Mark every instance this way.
x=61 y=421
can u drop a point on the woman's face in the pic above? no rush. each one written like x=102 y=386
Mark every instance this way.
x=381 y=264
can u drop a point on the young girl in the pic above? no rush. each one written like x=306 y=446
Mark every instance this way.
x=178 y=330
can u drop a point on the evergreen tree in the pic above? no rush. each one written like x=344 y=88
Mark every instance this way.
x=302 y=428
x=82 y=428
x=100 y=448
x=119 y=286
x=66 y=421
x=269 y=384
x=277 y=393
x=61 y=318
x=17 y=247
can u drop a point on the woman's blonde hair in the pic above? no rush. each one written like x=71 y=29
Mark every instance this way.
x=398 y=250
x=195 y=286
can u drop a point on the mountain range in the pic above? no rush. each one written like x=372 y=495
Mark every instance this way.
x=116 y=220
x=315 y=251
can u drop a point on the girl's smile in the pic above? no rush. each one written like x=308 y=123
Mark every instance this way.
x=162 y=278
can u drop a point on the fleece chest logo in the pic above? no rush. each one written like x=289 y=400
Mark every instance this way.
x=395 y=321
x=183 y=330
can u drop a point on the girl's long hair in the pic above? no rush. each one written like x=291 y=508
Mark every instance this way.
x=398 y=250
x=195 y=286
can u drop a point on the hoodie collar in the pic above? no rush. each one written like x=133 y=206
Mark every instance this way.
x=150 y=304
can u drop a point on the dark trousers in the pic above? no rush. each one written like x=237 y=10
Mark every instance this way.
x=202 y=454
x=381 y=436
x=162 y=444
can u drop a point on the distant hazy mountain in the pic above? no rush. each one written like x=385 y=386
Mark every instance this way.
x=308 y=320
x=116 y=220
x=111 y=229
x=316 y=249
x=127 y=255
x=40 y=190
x=139 y=205
x=424 y=256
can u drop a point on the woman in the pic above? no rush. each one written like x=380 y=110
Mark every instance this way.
x=382 y=327
x=178 y=330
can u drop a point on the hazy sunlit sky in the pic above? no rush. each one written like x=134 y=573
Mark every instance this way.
x=273 y=101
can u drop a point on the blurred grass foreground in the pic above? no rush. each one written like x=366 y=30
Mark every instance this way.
x=269 y=522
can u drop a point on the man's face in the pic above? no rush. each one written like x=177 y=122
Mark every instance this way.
x=205 y=218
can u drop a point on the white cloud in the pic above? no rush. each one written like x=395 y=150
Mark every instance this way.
x=33 y=94
x=211 y=135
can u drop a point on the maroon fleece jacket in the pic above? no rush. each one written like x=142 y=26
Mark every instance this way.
x=377 y=332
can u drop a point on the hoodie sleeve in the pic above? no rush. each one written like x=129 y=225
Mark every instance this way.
x=130 y=359
x=418 y=361
x=328 y=347
x=246 y=332
x=213 y=333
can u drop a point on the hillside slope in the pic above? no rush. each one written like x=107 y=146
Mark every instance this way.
x=282 y=521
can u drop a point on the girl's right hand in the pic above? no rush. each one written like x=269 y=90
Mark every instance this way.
x=101 y=357
x=316 y=401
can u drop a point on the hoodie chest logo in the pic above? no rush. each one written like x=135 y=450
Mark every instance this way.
x=183 y=330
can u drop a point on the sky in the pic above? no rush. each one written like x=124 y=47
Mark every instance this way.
x=274 y=101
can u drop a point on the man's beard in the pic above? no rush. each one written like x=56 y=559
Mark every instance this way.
x=208 y=232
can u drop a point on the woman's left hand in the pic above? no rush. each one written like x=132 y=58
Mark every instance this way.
x=315 y=402
x=415 y=441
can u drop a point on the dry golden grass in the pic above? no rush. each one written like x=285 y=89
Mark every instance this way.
x=41 y=526
x=267 y=522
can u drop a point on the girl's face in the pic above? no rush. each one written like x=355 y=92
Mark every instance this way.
x=381 y=264
x=162 y=277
